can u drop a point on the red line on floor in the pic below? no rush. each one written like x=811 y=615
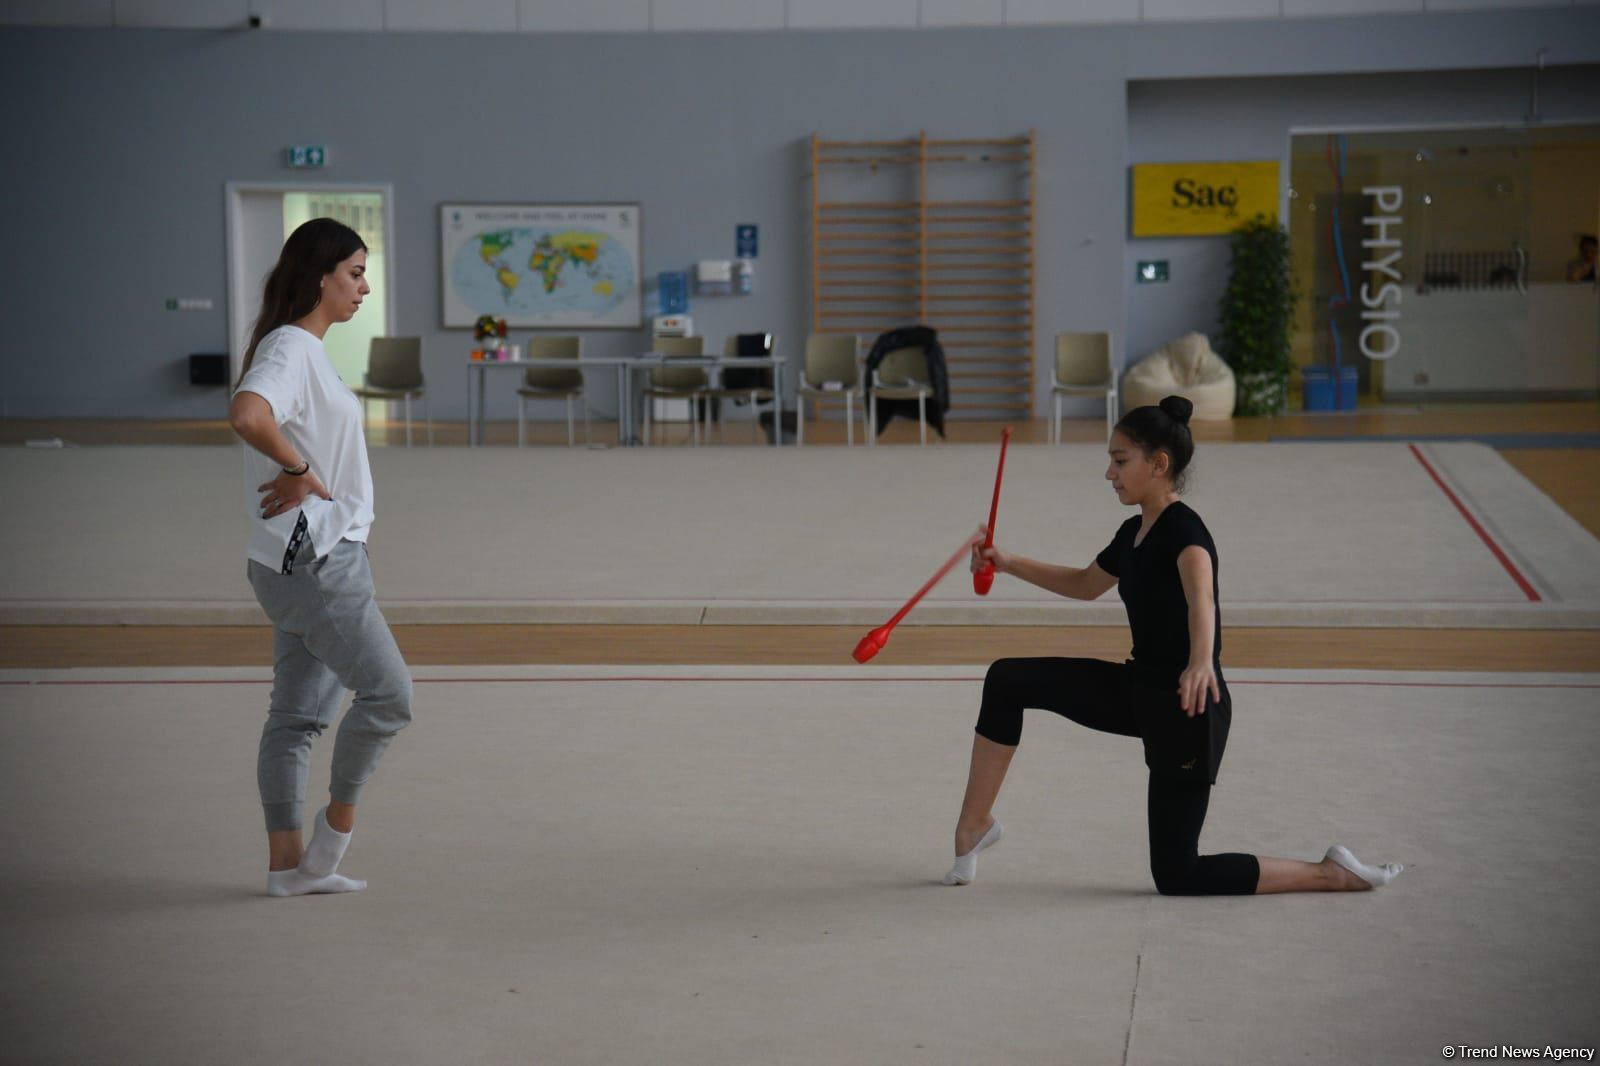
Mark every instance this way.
x=656 y=679
x=1516 y=575
x=1426 y=684
x=481 y=680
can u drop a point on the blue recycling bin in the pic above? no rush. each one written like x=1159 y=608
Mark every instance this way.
x=1320 y=393
x=1318 y=387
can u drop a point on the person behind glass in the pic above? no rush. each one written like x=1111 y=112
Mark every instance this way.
x=1582 y=268
x=1171 y=694
x=308 y=564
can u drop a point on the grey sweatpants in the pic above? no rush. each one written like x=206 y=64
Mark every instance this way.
x=327 y=636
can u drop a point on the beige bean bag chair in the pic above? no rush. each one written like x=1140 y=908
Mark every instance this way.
x=1186 y=367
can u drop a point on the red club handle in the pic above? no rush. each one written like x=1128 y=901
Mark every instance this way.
x=983 y=577
x=873 y=642
x=964 y=550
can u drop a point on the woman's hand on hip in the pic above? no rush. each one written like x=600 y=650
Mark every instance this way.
x=1194 y=686
x=286 y=492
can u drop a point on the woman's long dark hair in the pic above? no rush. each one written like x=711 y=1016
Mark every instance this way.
x=294 y=288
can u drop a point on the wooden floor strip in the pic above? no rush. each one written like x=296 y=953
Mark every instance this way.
x=53 y=647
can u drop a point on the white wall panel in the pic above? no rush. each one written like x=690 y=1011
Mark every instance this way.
x=320 y=14
x=1210 y=9
x=81 y=13
x=963 y=12
x=717 y=14
x=585 y=16
x=183 y=14
x=1488 y=5
x=459 y=16
x=631 y=16
x=1025 y=12
x=1294 y=8
x=852 y=14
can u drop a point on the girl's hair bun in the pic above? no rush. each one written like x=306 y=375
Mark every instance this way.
x=1178 y=409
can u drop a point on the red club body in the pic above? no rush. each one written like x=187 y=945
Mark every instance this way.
x=873 y=642
x=983 y=577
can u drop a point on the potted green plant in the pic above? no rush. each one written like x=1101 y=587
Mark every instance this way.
x=1256 y=310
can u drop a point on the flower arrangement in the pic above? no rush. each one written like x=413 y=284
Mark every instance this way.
x=488 y=327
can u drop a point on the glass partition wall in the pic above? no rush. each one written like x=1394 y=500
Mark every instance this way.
x=1433 y=265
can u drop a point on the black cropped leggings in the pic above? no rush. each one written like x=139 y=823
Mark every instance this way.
x=1095 y=694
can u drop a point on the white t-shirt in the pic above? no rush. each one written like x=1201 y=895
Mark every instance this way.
x=319 y=415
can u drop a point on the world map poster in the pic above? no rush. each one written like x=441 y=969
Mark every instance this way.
x=555 y=266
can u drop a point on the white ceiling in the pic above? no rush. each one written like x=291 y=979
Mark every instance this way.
x=668 y=16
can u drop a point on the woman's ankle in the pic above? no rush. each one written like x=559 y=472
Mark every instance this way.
x=341 y=816
x=284 y=849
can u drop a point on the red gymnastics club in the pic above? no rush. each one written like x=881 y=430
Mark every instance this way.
x=873 y=642
x=983 y=577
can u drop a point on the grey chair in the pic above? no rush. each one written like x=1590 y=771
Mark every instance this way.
x=553 y=383
x=901 y=375
x=831 y=370
x=676 y=382
x=1082 y=368
x=758 y=391
x=394 y=372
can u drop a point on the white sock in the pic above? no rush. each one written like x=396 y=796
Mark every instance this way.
x=327 y=846
x=299 y=883
x=966 y=867
x=1372 y=875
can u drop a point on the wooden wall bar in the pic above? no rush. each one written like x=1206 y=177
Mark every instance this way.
x=933 y=232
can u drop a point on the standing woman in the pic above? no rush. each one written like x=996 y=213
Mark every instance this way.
x=1170 y=694
x=308 y=557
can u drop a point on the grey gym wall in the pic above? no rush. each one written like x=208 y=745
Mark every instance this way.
x=1220 y=120
x=121 y=142
x=133 y=134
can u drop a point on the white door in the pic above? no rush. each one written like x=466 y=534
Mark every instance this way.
x=256 y=232
x=349 y=343
x=261 y=217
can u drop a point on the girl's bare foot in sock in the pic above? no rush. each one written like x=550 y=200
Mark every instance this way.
x=1349 y=874
x=973 y=840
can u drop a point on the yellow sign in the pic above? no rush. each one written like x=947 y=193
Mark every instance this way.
x=1201 y=199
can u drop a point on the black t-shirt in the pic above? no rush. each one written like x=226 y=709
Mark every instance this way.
x=1152 y=590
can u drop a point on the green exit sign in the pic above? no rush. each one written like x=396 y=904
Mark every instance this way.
x=1151 y=270
x=307 y=155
